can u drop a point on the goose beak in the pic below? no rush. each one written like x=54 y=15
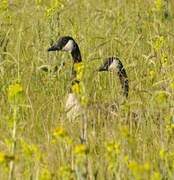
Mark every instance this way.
x=54 y=48
x=102 y=68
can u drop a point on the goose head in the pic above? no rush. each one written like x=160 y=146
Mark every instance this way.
x=68 y=44
x=111 y=64
x=65 y=43
x=114 y=64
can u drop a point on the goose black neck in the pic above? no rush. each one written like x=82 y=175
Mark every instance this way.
x=76 y=55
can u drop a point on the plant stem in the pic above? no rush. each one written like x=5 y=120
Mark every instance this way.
x=13 y=147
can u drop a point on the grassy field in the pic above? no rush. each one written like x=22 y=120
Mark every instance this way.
x=37 y=141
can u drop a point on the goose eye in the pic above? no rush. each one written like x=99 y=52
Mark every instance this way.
x=64 y=41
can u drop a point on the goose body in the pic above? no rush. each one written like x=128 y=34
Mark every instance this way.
x=73 y=106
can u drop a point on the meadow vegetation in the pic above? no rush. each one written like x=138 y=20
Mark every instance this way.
x=37 y=140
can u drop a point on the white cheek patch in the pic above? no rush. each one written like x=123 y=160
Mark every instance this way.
x=114 y=65
x=69 y=46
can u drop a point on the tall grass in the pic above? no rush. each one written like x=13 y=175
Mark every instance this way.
x=134 y=142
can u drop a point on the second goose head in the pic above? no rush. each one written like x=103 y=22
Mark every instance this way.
x=114 y=64
x=67 y=43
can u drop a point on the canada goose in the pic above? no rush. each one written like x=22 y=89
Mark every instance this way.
x=73 y=105
x=114 y=64
x=76 y=96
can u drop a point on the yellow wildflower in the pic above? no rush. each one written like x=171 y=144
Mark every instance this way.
x=152 y=74
x=14 y=90
x=79 y=69
x=66 y=172
x=69 y=140
x=146 y=166
x=170 y=128
x=45 y=174
x=2 y=157
x=156 y=176
x=31 y=150
x=164 y=59
x=138 y=169
x=162 y=154
x=4 y=5
x=113 y=147
x=124 y=130
x=54 y=7
x=81 y=149
x=126 y=159
x=79 y=89
x=59 y=132
x=76 y=88
x=172 y=85
x=158 y=43
x=133 y=165
x=6 y=158
x=161 y=97
x=84 y=100
x=159 y=5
